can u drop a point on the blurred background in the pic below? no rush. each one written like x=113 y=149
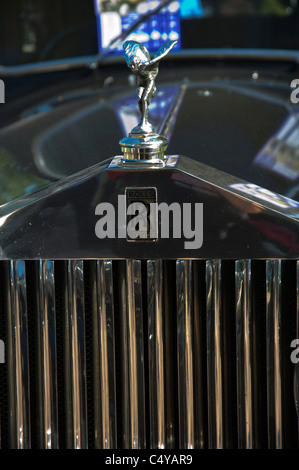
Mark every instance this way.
x=39 y=30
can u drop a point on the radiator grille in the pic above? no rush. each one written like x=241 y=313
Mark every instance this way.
x=149 y=354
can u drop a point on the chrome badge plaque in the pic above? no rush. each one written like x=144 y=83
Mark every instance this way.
x=141 y=210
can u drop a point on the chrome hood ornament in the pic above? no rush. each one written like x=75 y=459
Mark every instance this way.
x=143 y=143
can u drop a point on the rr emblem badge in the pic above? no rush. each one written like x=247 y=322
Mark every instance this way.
x=141 y=207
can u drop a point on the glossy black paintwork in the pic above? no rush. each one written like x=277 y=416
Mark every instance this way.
x=225 y=119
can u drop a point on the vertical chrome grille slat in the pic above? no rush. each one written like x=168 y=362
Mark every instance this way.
x=75 y=357
x=18 y=363
x=199 y=308
x=48 y=404
x=170 y=351
x=274 y=354
x=244 y=339
x=185 y=352
x=134 y=436
x=104 y=358
x=214 y=354
x=156 y=345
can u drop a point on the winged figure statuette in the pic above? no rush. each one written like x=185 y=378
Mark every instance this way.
x=146 y=69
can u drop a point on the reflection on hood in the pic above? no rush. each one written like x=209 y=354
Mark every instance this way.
x=15 y=182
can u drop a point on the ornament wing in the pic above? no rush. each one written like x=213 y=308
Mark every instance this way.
x=163 y=51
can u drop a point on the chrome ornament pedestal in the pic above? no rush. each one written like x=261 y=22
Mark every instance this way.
x=143 y=143
x=144 y=146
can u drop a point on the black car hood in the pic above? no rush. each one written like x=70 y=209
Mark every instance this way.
x=223 y=123
x=236 y=127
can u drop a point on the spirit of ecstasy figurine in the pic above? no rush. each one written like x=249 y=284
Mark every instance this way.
x=139 y=60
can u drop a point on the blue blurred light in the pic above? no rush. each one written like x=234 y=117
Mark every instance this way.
x=153 y=33
x=190 y=8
